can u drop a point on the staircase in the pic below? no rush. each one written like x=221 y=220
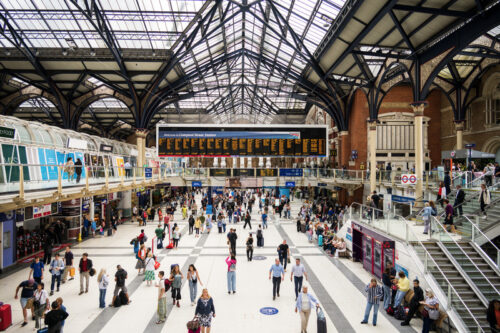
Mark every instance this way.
x=440 y=264
x=479 y=271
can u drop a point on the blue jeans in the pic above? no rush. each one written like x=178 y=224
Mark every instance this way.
x=264 y=224
x=102 y=298
x=367 y=312
x=387 y=296
x=193 y=289
x=400 y=295
x=224 y=227
x=231 y=281
x=54 y=278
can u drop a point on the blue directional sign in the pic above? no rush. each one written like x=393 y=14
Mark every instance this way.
x=321 y=184
x=268 y=311
x=148 y=172
x=196 y=183
x=290 y=184
x=291 y=172
x=470 y=145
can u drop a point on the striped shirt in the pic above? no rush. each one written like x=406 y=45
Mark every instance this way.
x=374 y=294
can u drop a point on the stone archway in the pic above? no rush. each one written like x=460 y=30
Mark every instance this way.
x=492 y=146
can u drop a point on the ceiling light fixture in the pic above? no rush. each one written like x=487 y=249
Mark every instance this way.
x=92 y=52
x=64 y=52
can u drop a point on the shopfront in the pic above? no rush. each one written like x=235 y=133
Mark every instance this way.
x=372 y=249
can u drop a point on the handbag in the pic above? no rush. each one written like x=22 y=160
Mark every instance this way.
x=424 y=313
x=92 y=272
x=30 y=302
x=157 y=265
x=288 y=260
x=193 y=324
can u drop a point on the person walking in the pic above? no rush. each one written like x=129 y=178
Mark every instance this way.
x=232 y=237
x=303 y=305
x=373 y=295
x=149 y=275
x=283 y=253
x=84 y=268
x=205 y=311
x=78 y=169
x=191 y=223
x=231 y=273
x=176 y=277
x=426 y=216
x=278 y=274
x=40 y=304
x=159 y=236
x=264 y=219
x=249 y=245
x=47 y=250
x=248 y=218
x=484 y=199
x=56 y=269
x=103 y=280
x=298 y=273
x=37 y=269
x=418 y=296
x=59 y=301
x=260 y=237
x=448 y=220
x=197 y=226
x=193 y=278
x=27 y=292
x=54 y=318
x=176 y=236
x=141 y=257
x=120 y=278
x=161 y=309
x=431 y=305
x=68 y=264
x=459 y=201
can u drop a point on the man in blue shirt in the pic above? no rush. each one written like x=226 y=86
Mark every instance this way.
x=36 y=270
x=278 y=275
x=56 y=268
x=264 y=221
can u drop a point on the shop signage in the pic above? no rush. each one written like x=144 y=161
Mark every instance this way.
x=77 y=143
x=148 y=172
x=6 y=132
x=106 y=148
x=290 y=184
x=40 y=211
x=398 y=198
x=321 y=184
x=196 y=184
x=291 y=172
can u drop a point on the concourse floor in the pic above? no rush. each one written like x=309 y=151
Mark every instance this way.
x=337 y=283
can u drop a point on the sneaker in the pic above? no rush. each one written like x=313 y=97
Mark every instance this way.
x=57 y=290
x=85 y=291
x=178 y=304
x=24 y=324
x=51 y=293
x=71 y=279
x=274 y=297
x=364 y=322
x=229 y=292
x=81 y=292
x=374 y=324
x=63 y=282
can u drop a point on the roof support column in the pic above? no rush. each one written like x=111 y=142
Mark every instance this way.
x=372 y=147
x=344 y=148
x=141 y=148
x=459 y=127
x=418 y=111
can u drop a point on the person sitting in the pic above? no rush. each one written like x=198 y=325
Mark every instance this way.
x=418 y=296
x=340 y=247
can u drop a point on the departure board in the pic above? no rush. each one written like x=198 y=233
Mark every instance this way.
x=207 y=140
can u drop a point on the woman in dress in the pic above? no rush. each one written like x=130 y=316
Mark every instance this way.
x=141 y=257
x=40 y=304
x=205 y=311
x=193 y=278
x=149 y=276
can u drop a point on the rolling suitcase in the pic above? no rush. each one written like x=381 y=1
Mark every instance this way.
x=321 y=321
x=303 y=227
x=5 y=317
x=110 y=232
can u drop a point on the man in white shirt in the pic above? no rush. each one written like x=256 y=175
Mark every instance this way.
x=298 y=272
x=162 y=299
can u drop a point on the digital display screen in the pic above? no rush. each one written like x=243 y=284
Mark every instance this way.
x=250 y=140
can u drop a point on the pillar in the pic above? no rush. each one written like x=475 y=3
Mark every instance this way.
x=372 y=147
x=344 y=149
x=418 y=111
x=223 y=162
x=141 y=148
x=125 y=204
x=459 y=127
x=261 y=162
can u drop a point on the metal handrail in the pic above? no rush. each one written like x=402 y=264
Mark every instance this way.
x=485 y=237
x=428 y=255
x=458 y=245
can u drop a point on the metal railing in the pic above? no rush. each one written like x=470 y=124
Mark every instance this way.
x=453 y=297
x=445 y=237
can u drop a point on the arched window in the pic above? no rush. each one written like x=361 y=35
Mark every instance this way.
x=495 y=105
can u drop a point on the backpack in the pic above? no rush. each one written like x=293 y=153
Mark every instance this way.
x=145 y=215
x=123 y=298
x=390 y=310
x=259 y=233
x=118 y=302
x=145 y=238
x=168 y=284
x=434 y=213
x=400 y=313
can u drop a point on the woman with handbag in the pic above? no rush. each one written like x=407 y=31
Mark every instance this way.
x=149 y=276
x=193 y=277
x=430 y=311
x=40 y=304
x=205 y=311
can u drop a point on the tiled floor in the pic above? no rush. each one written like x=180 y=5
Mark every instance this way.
x=338 y=284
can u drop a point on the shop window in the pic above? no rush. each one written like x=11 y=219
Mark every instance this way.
x=495 y=110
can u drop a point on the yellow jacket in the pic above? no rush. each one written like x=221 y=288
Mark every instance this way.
x=404 y=284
